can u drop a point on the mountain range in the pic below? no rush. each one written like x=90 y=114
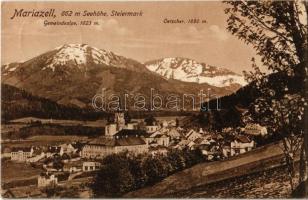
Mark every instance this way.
x=189 y=70
x=73 y=73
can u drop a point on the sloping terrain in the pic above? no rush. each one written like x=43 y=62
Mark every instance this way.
x=257 y=160
x=17 y=103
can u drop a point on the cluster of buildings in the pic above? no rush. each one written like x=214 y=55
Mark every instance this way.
x=159 y=137
x=136 y=137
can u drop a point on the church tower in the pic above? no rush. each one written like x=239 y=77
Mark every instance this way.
x=119 y=120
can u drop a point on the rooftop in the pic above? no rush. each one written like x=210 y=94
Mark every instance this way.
x=242 y=139
x=130 y=133
x=24 y=149
x=111 y=142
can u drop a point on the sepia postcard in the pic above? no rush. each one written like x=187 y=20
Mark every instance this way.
x=154 y=99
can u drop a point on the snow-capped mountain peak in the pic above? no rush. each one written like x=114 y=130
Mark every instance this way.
x=189 y=70
x=71 y=58
x=79 y=54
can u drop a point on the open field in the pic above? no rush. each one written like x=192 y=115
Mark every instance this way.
x=257 y=160
x=28 y=120
x=43 y=140
x=12 y=171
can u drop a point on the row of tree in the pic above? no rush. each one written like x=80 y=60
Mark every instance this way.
x=122 y=173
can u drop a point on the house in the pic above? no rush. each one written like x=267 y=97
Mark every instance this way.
x=37 y=155
x=6 y=152
x=110 y=129
x=151 y=128
x=21 y=153
x=201 y=131
x=53 y=150
x=157 y=138
x=67 y=148
x=226 y=150
x=191 y=145
x=72 y=167
x=162 y=140
x=216 y=137
x=46 y=179
x=192 y=135
x=197 y=142
x=78 y=147
x=174 y=134
x=158 y=150
x=172 y=123
x=241 y=144
x=90 y=166
x=132 y=125
x=182 y=144
x=255 y=129
x=210 y=151
x=165 y=123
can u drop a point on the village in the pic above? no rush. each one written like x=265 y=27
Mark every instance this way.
x=81 y=159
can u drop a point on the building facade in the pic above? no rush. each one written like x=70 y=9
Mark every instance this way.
x=47 y=180
x=90 y=166
x=21 y=154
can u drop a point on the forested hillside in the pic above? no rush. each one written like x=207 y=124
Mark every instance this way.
x=17 y=103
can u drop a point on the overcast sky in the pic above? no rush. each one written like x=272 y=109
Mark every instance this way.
x=141 y=38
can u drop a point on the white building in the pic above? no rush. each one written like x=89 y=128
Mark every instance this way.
x=67 y=148
x=72 y=167
x=90 y=166
x=53 y=150
x=174 y=134
x=255 y=129
x=192 y=135
x=21 y=153
x=132 y=126
x=46 y=180
x=241 y=144
x=151 y=129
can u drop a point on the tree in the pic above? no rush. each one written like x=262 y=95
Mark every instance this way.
x=150 y=120
x=155 y=169
x=277 y=30
x=138 y=172
x=114 y=179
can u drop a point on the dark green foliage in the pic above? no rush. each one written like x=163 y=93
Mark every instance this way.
x=114 y=179
x=124 y=172
x=17 y=103
x=155 y=168
x=150 y=120
x=138 y=172
x=57 y=164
